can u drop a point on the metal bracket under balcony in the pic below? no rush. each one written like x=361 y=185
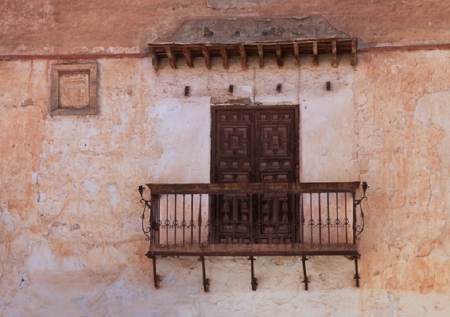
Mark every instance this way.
x=256 y=219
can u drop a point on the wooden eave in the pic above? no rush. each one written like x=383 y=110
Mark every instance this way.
x=280 y=49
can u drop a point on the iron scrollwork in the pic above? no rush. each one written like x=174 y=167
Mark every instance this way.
x=147 y=204
x=359 y=228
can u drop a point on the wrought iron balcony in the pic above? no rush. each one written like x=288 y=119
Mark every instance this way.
x=253 y=219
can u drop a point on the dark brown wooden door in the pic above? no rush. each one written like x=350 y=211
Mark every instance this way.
x=254 y=145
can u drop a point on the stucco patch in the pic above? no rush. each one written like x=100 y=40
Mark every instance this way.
x=434 y=108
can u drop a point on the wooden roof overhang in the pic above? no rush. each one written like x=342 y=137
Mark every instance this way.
x=280 y=38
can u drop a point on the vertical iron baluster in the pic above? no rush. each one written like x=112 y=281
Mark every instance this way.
x=218 y=222
x=183 y=225
x=175 y=223
x=294 y=222
x=233 y=214
x=311 y=220
x=158 y=218
x=270 y=206
x=250 y=216
x=224 y=210
x=346 y=219
x=238 y=220
x=337 y=219
x=226 y=218
x=200 y=220
x=258 y=220
x=354 y=218
x=302 y=219
x=328 y=217
x=320 y=220
x=167 y=219
x=192 y=219
x=276 y=218
x=279 y=206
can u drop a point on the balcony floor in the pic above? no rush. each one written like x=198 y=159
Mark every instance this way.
x=297 y=249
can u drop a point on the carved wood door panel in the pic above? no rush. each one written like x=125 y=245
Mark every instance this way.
x=276 y=145
x=254 y=145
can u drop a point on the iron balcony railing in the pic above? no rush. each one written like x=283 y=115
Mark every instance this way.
x=253 y=219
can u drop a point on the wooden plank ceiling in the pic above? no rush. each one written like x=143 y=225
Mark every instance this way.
x=278 y=38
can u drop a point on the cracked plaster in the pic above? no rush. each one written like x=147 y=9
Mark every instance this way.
x=80 y=250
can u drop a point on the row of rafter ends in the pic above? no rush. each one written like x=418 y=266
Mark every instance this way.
x=278 y=49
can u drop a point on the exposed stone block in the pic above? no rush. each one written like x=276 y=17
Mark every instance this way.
x=74 y=89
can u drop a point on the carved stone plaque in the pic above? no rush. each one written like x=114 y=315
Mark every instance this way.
x=74 y=89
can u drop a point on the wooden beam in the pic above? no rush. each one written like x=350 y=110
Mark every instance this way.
x=279 y=53
x=281 y=249
x=224 y=53
x=171 y=57
x=261 y=55
x=316 y=57
x=353 y=60
x=187 y=54
x=155 y=58
x=243 y=56
x=333 y=54
x=296 y=54
x=252 y=188
x=207 y=57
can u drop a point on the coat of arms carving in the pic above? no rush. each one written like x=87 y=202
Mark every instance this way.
x=74 y=89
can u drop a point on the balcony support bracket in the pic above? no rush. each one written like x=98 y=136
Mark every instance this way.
x=254 y=279
x=305 y=277
x=205 y=280
x=357 y=277
x=156 y=277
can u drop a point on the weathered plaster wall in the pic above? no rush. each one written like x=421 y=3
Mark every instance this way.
x=403 y=144
x=70 y=218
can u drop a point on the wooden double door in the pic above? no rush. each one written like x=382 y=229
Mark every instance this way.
x=254 y=145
